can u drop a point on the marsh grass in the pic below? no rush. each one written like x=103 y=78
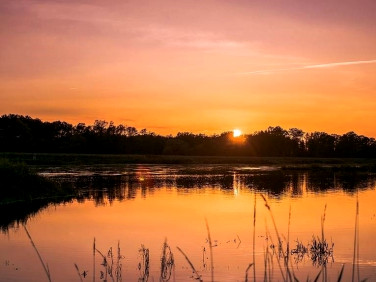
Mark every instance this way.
x=281 y=252
x=318 y=250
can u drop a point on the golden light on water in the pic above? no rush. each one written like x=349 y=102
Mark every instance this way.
x=237 y=132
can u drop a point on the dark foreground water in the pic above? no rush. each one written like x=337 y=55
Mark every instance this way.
x=132 y=210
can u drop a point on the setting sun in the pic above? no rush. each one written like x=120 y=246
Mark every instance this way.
x=237 y=132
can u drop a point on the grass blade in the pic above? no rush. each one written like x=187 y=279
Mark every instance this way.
x=211 y=251
x=340 y=274
x=246 y=272
x=318 y=276
x=198 y=276
x=78 y=272
x=45 y=266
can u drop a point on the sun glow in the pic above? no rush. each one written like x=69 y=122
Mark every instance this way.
x=237 y=132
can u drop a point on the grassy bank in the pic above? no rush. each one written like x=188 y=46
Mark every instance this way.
x=91 y=159
x=19 y=183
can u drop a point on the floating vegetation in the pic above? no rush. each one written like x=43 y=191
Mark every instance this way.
x=299 y=252
x=320 y=251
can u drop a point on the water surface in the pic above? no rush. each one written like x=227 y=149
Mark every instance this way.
x=139 y=207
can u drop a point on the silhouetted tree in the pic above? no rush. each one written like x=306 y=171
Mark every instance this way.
x=24 y=134
x=320 y=144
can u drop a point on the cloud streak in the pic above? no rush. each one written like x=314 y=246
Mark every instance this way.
x=317 y=66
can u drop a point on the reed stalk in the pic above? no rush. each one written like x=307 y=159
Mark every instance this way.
x=94 y=260
x=278 y=257
x=340 y=274
x=288 y=272
x=211 y=251
x=45 y=266
x=78 y=272
x=355 y=267
x=254 y=239
x=246 y=272
x=198 y=276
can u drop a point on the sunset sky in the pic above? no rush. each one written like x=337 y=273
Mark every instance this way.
x=199 y=66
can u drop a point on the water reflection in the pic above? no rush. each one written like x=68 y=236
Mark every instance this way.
x=138 y=208
x=14 y=214
x=105 y=185
x=102 y=187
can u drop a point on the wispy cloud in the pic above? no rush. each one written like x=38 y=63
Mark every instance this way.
x=187 y=38
x=304 y=67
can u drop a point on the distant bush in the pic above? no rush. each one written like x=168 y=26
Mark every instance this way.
x=18 y=182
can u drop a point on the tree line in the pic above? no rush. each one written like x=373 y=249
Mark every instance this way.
x=20 y=133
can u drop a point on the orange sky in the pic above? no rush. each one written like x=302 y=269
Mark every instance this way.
x=199 y=66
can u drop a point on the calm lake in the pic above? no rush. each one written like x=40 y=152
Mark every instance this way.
x=132 y=210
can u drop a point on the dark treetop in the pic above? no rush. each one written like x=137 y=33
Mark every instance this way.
x=25 y=134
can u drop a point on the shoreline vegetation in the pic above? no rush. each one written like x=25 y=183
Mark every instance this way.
x=41 y=159
x=19 y=183
x=31 y=135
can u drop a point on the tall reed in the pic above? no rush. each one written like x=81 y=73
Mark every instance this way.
x=45 y=266
x=78 y=272
x=211 y=251
x=280 y=245
x=355 y=266
x=254 y=238
x=197 y=276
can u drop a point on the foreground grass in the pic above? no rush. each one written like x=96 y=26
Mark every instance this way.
x=19 y=183
x=318 y=250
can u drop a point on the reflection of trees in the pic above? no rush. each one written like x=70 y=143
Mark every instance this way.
x=11 y=215
x=224 y=181
x=102 y=189
x=320 y=181
x=349 y=181
x=274 y=183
